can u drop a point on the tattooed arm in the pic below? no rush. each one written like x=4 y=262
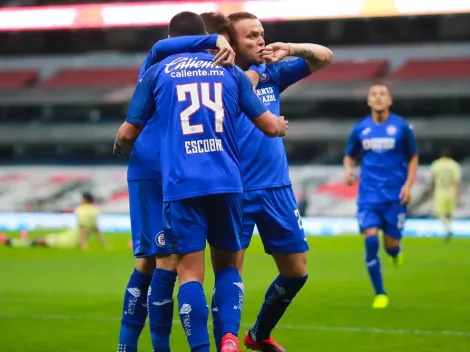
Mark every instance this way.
x=317 y=56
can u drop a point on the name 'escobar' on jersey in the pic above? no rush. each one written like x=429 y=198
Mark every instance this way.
x=203 y=146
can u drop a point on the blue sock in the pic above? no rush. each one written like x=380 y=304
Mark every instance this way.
x=194 y=315
x=393 y=251
x=160 y=307
x=373 y=264
x=134 y=311
x=278 y=297
x=216 y=324
x=228 y=296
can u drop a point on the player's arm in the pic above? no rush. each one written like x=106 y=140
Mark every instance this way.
x=141 y=109
x=411 y=149
x=256 y=111
x=254 y=72
x=309 y=58
x=458 y=182
x=353 y=148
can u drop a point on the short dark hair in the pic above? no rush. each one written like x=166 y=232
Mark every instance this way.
x=240 y=16
x=218 y=23
x=186 y=23
x=446 y=152
x=88 y=197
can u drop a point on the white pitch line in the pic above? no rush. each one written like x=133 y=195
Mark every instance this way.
x=354 y=329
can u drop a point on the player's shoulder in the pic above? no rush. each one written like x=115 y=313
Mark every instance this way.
x=400 y=121
x=365 y=122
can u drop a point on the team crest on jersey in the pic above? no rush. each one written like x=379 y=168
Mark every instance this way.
x=391 y=130
x=264 y=77
x=160 y=239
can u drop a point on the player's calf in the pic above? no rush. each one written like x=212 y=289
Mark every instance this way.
x=228 y=296
x=135 y=304
x=393 y=249
x=192 y=305
x=371 y=243
x=160 y=302
x=293 y=276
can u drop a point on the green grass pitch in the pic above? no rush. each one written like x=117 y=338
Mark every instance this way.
x=65 y=300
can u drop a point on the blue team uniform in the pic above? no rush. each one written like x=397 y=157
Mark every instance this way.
x=384 y=150
x=197 y=104
x=268 y=199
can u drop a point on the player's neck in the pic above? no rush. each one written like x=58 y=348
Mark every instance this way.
x=380 y=116
x=242 y=64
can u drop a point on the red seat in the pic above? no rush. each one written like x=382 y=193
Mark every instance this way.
x=95 y=77
x=432 y=69
x=351 y=71
x=14 y=79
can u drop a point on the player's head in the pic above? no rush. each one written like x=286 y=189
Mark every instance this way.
x=379 y=98
x=186 y=23
x=248 y=33
x=217 y=23
x=87 y=198
x=446 y=153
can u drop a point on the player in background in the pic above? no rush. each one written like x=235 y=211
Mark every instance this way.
x=386 y=145
x=266 y=178
x=445 y=188
x=87 y=225
x=199 y=135
x=151 y=285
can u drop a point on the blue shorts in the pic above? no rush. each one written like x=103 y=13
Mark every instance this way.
x=217 y=219
x=389 y=217
x=275 y=213
x=146 y=208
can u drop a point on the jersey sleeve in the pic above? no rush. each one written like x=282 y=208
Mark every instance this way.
x=353 y=145
x=411 y=147
x=291 y=71
x=249 y=102
x=142 y=105
x=171 y=46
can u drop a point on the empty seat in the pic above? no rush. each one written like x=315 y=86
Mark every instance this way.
x=432 y=69
x=15 y=79
x=351 y=71
x=95 y=77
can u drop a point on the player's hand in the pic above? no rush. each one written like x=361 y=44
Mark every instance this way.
x=275 y=52
x=226 y=55
x=283 y=126
x=117 y=149
x=350 y=177
x=405 y=195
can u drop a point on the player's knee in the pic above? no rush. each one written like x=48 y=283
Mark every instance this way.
x=390 y=242
x=166 y=262
x=190 y=267
x=371 y=232
x=225 y=259
x=291 y=264
x=145 y=265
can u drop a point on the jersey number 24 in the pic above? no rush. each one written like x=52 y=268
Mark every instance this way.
x=197 y=100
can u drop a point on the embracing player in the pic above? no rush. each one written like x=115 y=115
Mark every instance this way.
x=445 y=188
x=268 y=197
x=151 y=284
x=386 y=145
x=199 y=102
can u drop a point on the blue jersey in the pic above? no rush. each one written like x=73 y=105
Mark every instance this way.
x=198 y=104
x=384 y=150
x=263 y=160
x=144 y=161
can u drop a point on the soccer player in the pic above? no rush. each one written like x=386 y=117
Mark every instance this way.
x=151 y=285
x=386 y=145
x=87 y=225
x=199 y=102
x=445 y=188
x=268 y=198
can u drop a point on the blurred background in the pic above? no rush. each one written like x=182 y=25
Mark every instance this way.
x=67 y=72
